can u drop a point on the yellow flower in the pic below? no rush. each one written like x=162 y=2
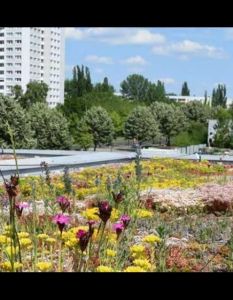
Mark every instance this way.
x=23 y=234
x=104 y=269
x=134 y=269
x=72 y=242
x=137 y=249
x=111 y=253
x=7 y=265
x=51 y=240
x=25 y=242
x=3 y=239
x=142 y=213
x=143 y=263
x=151 y=238
x=112 y=238
x=10 y=250
x=114 y=215
x=91 y=213
x=42 y=236
x=44 y=266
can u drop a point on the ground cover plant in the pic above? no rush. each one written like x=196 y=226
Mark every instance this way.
x=158 y=215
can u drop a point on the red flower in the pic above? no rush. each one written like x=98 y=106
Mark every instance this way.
x=105 y=211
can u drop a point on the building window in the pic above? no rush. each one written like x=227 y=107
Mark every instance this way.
x=1 y=87
x=9 y=56
x=1 y=34
x=9 y=42
x=9 y=64
x=1 y=57
x=1 y=72
x=1 y=42
x=1 y=49
x=9 y=49
x=18 y=41
x=18 y=49
x=1 y=65
x=9 y=72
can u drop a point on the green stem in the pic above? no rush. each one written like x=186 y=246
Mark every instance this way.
x=60 y=256
x=101 y=237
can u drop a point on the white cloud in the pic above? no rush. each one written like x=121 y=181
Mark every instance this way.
x=99 y=59
x=167 y=80
x=187 y=48
x=136 y=37
x=116 y=36
x=74 y=33
x=135 y=60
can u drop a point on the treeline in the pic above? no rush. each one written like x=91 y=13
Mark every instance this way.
x=92 y=116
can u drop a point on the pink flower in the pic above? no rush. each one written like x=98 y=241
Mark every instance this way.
x=19 y=208
x=63 y=202
x=125 y=219
x=61 y=220
x=119 y=227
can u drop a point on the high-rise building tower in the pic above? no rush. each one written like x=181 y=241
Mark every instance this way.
x=32 y=53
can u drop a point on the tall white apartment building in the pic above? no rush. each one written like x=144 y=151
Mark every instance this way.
x=33 y=53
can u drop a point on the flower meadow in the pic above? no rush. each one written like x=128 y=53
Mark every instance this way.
x=119 y=218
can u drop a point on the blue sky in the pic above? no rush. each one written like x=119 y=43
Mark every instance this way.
x=201 y=56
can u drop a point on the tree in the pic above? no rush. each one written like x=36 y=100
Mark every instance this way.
x=104 y=87
x=141 y=125
x=196 y=111
x=135 y=87
x=155 y=92
x=80 y=84
x=36 y=92
x=13 y=114
x=219 y=97
x=100 y=126
x=117 y=122
x=170 y=117
x=185 y=90
x=224 y=135
x=206 y=98
x=223 y=115
x=50 y=127
x=17 y=92
x=84 y=138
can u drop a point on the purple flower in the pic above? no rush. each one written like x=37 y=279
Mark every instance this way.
x=61 y=220
x=83 y=237
x=119 y=227
x=63 y=202
x=125 y=219
x=19 y=208
x=105 y=210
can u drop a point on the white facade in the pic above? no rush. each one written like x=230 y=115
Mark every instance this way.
x=186 y=99
x=32 y=53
